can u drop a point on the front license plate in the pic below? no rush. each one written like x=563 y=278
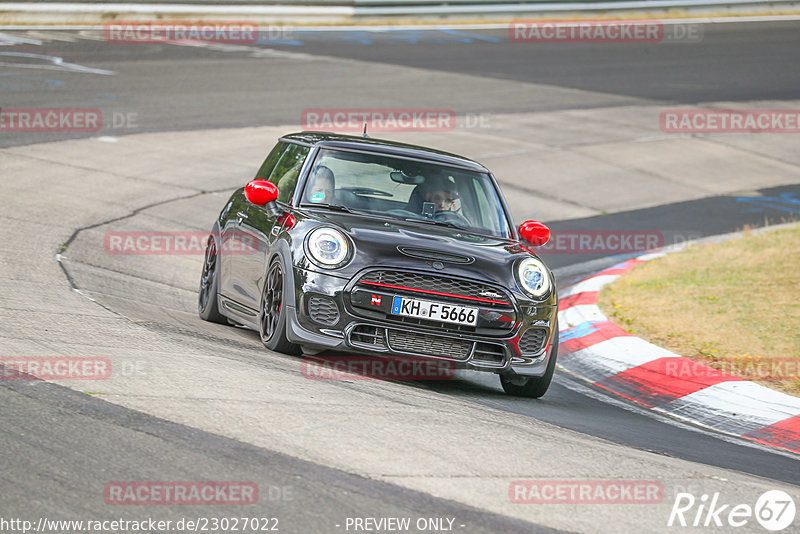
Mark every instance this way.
x=435 y=311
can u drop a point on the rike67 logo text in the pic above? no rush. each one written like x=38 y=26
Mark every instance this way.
x=774 y=510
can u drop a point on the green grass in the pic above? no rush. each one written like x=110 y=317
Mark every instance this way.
x=734 y=306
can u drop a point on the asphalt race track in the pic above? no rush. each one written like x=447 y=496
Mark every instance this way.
x=270 y=83
x=572 y=132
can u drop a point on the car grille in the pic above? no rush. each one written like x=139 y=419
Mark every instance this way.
x=371 y=337
x=323 y=310
x=436 y=284
x=374 y=338
x=532 y=340
x=415 y=343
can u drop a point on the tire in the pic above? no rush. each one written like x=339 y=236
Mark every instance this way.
x=272 y=312
x=532 y=387
x=207 y=306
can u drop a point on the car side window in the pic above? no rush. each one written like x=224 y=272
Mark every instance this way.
x=269 y=164
x=287 y=170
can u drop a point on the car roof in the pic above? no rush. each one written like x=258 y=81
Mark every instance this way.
x=384 y=146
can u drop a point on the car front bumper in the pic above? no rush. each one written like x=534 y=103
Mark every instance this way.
x=324 y=318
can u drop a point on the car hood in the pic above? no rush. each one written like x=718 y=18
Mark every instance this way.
x=388 y=243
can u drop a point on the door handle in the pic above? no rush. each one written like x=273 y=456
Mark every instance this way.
x=241 y=215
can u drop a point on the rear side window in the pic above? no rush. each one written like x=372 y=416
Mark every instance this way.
x=266 y=168
x=287 y=169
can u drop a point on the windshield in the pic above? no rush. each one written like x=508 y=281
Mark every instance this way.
x=407 y=190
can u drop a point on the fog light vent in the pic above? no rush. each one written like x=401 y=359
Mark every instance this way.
x=532 y=340
x=323 y=311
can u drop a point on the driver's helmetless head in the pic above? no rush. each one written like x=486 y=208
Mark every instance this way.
x=443 y=194
x=444 y=200
x=323 y=186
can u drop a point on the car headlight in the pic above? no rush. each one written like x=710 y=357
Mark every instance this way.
x=328 y=247
x=533 y=277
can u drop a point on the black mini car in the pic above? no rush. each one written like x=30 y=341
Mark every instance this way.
x=374 y=247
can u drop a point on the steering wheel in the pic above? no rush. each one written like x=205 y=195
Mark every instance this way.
x=451 y=217
x=368 y=191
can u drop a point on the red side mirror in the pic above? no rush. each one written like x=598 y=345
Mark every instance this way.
x=535 y=233
x=260 y=192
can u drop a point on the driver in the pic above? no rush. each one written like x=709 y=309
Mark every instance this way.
x=443 y=194
x=323 y=187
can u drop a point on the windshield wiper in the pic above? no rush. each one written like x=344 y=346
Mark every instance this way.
x=333 y=207
x=439 y=223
